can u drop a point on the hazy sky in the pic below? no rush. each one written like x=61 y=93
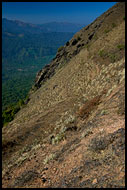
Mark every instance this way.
x=42 y=12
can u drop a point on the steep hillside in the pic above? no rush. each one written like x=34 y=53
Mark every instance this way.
x=72 y=131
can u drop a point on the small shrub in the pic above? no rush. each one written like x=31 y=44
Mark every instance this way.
x=106 y=31
x=79 y=45
x=121 y=46
x=104 y=112
x=78 y=38
x=59 y=137
x=121 y=107
x=112 y=57
x=67 y=43
x=87 y=133
x=91 y=36
x=25 y=149
x=70 y=119
x=95 y=37
x=99 y=143
x=48 y=158
x=102 y=53
x=74 y=42
x=9 y=113
x=113 y=25
x=26 y=100
x=87 y=46
x=89 y=106
x=124 y=18
x=60 y=48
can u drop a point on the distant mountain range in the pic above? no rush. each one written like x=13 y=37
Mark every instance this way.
x=16 y=26
x=61 y=27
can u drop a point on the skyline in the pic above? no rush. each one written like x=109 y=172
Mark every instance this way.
x=44 y=12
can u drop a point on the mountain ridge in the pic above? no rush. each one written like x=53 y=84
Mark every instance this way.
x=73 y=43
x=39 y=28
x=72 y=131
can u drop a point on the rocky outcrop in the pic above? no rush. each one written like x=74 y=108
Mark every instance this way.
x=81 y=40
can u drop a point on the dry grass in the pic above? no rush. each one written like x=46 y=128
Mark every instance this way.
x=89 y=106
x=86 y=100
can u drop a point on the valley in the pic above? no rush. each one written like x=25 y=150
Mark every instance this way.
x=24 y=52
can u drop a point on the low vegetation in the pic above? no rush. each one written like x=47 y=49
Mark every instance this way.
x=74 y=42
x=102 y=53
x=106 y=31
x=113 y=25
x=86 y=133
x=9 y=113
x=59 y=137
x=112 y=57
x=67 y=43
x=49 y=158
x=86 y=108
x=60 y=48
x=121 y=46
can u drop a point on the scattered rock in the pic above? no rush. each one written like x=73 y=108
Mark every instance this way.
x=24 y=178
x=74 y=42
x=94 y=181
x=44 y=179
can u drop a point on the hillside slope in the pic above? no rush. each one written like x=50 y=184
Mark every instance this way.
x=72 y=131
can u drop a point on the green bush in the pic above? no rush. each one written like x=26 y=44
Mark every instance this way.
x=59 y=137
x=113 y=25
x=113 y=57
x=9 y=113
x=49 y=158
x=60 y=48
x=121 y=46
x=106 y=31
x=102 y=53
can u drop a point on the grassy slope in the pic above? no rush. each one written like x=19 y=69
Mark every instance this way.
x=71 y=133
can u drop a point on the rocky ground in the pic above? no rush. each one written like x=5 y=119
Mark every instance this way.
x=72 y=131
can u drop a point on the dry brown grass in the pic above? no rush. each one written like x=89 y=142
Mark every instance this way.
x=89 y=106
